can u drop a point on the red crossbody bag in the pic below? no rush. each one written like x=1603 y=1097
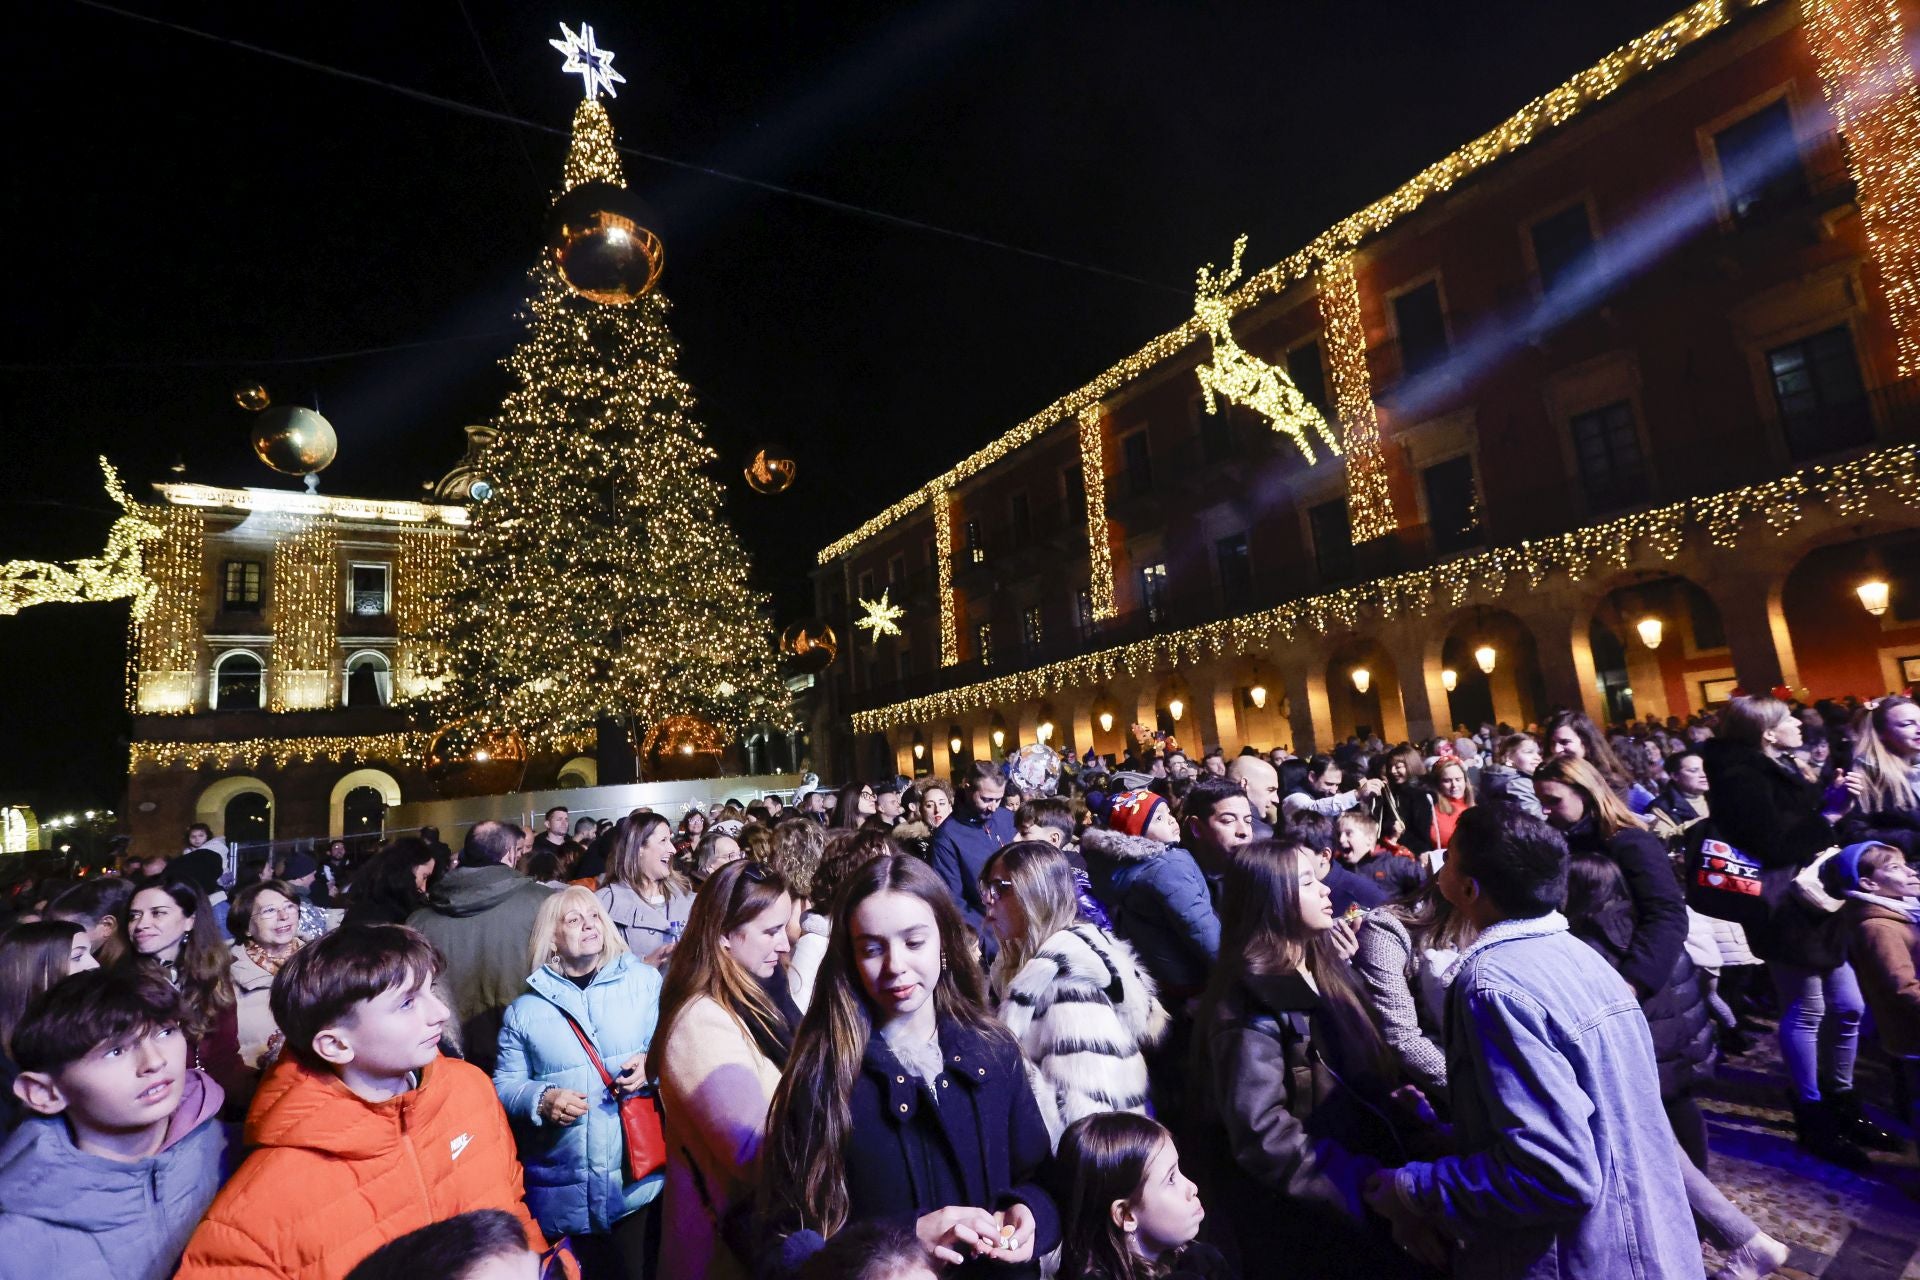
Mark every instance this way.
x=639 y=1116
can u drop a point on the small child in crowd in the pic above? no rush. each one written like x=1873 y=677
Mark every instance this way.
x=361 y=1100
x=1129 y=1213
x=1881 y=910
x=1356 y=838
x=124 y=1154
x=1049 y=818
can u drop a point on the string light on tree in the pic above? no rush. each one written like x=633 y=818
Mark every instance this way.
x=882 y=617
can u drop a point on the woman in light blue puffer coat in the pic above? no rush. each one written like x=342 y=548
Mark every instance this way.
x=565 y=1121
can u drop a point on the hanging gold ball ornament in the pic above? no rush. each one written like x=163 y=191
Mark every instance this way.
x=811 y=645
x=771 y=470
x=252 y=397
x=295 y=441
x=469 y=758
x=603 y=245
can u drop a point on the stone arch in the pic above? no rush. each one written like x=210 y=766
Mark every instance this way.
x=1621 y=673
x=1512 y=693
x=585 y=768
x=1840 y=648
x=239 y=658
x=379 y=779
x=1380 y=709
x=210 y=807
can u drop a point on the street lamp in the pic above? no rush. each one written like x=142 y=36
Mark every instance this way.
x=1873 y=596
x=1449 y=679
x=1259 y=695
x=1362 y=678
x=1044 y=731
x=1484 y=656
x=1650 y=631
x=1176 y=709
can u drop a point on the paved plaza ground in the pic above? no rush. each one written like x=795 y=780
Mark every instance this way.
x=1842 y=1226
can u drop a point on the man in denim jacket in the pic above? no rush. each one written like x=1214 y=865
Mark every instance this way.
x=1568 y=1167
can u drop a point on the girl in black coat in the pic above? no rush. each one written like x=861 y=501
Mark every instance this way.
x=903 y=1100
x=1764 y=806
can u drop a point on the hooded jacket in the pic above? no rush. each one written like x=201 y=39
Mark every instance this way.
x=1083 y=1011
x=333 y=1176
x=481 y=918
x=1158 y=899
x=1884 y=945
x=576 y=1174
x=1504 y=784
x=66 y=1212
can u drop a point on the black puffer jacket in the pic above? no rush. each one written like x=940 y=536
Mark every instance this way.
x=1768 y=811
x=1676 y=1012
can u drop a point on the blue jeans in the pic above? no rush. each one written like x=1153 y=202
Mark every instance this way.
x=1819 y=1026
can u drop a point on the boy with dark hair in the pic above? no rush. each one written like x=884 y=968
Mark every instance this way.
x=483 y=1245
x=124 y=1154
x=1356 y=841
x=362 y=1132
x=1564 y=1167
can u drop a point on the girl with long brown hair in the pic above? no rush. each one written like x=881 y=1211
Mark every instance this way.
x=904 y=1099
x=642 y=891
x=1572 y=735
x=171 y=929
x=1127 y=1210
x=1296 y=1080
x=722 y=1040
x=33 y=956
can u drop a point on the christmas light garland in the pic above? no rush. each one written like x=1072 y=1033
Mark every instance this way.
x=163 y=649
x=1850 y=489
x=425 y=562
x=1093 y=485
x=306 y=613
x=1523 y=127
x=1868 y=80
x=280 y=752
x=1369 y=504
x=943 y=573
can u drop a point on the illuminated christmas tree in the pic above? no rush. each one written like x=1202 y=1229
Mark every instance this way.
x=600 y=578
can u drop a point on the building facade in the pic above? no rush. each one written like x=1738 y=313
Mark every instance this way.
x=1628 y=391
x=284 y=628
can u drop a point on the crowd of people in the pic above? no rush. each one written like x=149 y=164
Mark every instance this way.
x=1384 y=1011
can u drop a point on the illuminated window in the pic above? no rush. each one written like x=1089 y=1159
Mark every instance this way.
x=368 y=595
x=1153 y=592
x=240 y=586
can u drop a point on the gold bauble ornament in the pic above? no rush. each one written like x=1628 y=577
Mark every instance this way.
x=681 y=747
x=469 y=758
x=252 y=397
x=603 y=244
x=295 y=441
x=771 y=470
x=811 y=645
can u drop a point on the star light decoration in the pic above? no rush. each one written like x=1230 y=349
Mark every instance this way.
x=589 y=61
x=883 y=619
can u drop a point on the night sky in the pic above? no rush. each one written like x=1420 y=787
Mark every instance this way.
x=189 y=215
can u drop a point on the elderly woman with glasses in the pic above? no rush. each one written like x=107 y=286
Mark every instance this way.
x=264 y=920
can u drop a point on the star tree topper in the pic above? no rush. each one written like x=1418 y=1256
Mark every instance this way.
x=589 y=61
x=882 y=618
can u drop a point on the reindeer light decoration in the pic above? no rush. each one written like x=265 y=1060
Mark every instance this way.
x=112 y=575
x=1240 y=377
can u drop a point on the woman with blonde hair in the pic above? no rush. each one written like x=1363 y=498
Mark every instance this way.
x=1073 y=995
x=1452 y=796
x=724 y=1037
x=1766 y=808
x=590 y=1005
x=1884 y=784
x=646 y=897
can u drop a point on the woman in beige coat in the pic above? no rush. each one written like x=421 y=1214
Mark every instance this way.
x=264 y=919
x=725 y=1029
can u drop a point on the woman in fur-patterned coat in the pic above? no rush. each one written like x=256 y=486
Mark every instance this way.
x=1074 y=996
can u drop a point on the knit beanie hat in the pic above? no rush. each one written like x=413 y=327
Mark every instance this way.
x=1841 y=874
x=1131 y=811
